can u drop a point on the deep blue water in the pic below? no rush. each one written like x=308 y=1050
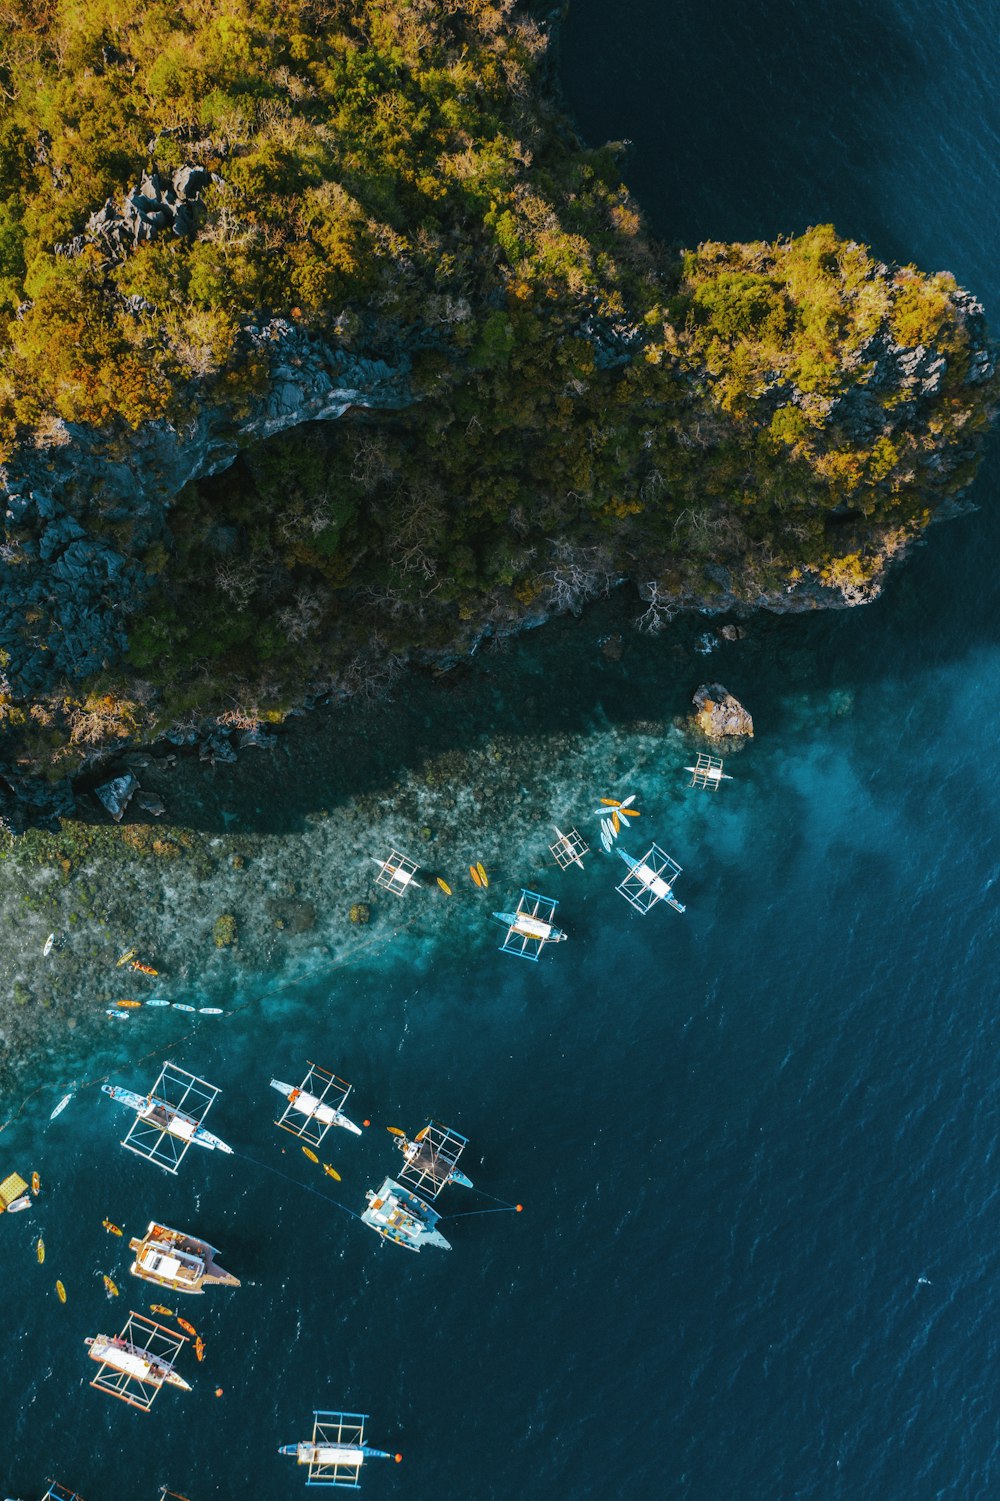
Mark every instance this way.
x=741 y=1136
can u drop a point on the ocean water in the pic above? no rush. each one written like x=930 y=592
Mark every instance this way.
x=756 y=1144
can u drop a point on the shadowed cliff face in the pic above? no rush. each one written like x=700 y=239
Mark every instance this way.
x=81 y=510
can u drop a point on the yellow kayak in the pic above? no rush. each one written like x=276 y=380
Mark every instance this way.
x=331 y=1172
x=128 y=954
x=110 y=1228
x=481 y=868
x=109 y=1288
x=310 y=1154
x=616 y=822
x=61 y=1291
x=40 y=1249
x=161 y=1308
x=444 y=886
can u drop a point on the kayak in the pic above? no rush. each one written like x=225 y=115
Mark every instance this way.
x=40 y=1249
x=61 y=1291
x=310 y=1154
x=199 y=1348
x=61 y=1106
x=159 y=1308
x=444 y=886
x=188 y=1328
x=36 y=1183
x=110 y=1228
x=109 y=1288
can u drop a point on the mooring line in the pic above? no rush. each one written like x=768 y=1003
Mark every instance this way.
x=267 y=1168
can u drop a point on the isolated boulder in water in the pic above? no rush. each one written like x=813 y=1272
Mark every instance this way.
x=115 y=794
x=719 y=714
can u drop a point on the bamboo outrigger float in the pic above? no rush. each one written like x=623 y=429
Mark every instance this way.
x=170 y=1118
x=396 y=873
x=178 y=1261
x=707 y=772
x=315 y=1106
x=401 y=1217
x=136 y=1364
x=337 y=1450
x=431 y=1159
x=650 y=880
x=530 y=926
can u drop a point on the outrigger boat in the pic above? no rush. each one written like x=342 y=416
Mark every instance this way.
x=707 y=772
x=530 y=926
x=401 y=1217
x=650 y=880
x=169 y=1119
x=431 y=1159
x=315 y=1106
x=178 y=1261
x=135 y=1372
x=337 y=1450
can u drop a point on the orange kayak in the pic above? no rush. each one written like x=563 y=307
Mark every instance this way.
x=188 y=1328
x=144 y=969
x=36 y=1183
x=128 y=1005
x=473 y=872
x=199 y=1348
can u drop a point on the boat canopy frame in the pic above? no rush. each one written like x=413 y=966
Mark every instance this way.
x=328 y=1089
x=183 y=1095
x=57 y=1492
x=345 y=1429
x=649 y=880
x=157 y=1340
x=396 y=873
x=532 y=912
x=431 y=1167
x=569 y=849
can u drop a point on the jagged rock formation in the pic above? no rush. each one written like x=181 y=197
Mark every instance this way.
x=720 y=715
x=159 y=202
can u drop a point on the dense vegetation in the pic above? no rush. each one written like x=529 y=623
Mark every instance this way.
x=588 y=407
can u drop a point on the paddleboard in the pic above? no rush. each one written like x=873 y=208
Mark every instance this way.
x=473 y=872
x=607 y=827
x=47 y=949
x=61 y=1106
x=61 y=1291
x=481 y=868
x=444 y=886
x=606 y=841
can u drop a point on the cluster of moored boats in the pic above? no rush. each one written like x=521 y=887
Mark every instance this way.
x=135 y=1364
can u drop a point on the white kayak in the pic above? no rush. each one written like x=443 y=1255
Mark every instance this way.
x=47 y=949
x=61 y=1106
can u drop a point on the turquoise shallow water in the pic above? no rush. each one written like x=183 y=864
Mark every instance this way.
x=742 y=1136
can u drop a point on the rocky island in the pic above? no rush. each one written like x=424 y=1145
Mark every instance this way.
x=325 y=346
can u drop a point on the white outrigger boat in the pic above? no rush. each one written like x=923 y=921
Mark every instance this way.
x=650 y=880
x=178 y=1261
x=135 y=1372
x=169 y=1119
x=337 y=1449
x=315 y=1105
x=530 y=926
x=707 y=772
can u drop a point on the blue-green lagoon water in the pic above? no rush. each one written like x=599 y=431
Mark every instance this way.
x=756 y=1145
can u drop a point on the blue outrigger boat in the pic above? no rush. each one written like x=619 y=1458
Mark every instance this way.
x=337 y=1450
x=650 y=880
x=530 y=926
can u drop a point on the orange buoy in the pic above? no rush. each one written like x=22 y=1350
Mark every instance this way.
x=218 y=1391
x=398 y=1458
x=519 y=1207
x=366 y=1123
